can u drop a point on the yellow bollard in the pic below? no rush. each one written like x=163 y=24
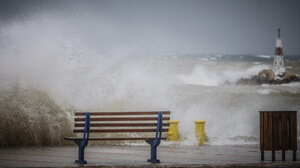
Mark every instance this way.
x=200 y=131
x=173 y=130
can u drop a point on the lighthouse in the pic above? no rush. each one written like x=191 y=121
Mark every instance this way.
x=278 y=64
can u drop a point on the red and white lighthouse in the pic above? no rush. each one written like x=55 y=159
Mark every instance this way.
x=278 y=64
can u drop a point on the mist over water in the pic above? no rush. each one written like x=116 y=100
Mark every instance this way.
x=50 y=67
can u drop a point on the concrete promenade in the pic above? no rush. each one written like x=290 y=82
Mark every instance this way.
x=136 y=156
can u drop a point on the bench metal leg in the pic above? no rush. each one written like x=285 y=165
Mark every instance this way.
x=81 y=156
x=153 y=155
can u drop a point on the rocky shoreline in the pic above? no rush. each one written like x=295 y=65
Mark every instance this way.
x=267 y=76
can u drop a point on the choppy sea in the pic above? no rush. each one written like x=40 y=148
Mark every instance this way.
x=39 y=96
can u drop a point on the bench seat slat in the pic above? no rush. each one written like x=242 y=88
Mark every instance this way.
x=121 y=124
x=123 y=113
x=123 y=119
x=120 y=130
x=112 y=139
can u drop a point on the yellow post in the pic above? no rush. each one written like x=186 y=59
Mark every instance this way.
x=200 y=131
x=173 y=130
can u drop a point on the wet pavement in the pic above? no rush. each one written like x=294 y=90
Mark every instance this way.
x=136 y=156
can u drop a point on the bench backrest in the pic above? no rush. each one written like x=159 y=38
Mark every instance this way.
x=123 y=122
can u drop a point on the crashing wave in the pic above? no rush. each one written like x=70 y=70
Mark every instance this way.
x=31 y=117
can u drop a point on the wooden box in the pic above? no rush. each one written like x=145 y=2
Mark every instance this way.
x=278 y=131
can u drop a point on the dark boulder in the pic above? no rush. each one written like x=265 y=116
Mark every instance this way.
x=290 y=77
x=267 y=76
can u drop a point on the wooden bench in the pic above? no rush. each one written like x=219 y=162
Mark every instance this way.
x=129 y=123
x=278 y=131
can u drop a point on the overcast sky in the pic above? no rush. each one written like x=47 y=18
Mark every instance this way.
x=171 y=26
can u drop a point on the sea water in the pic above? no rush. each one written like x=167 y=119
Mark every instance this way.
x=37 y=105
x=48 y=70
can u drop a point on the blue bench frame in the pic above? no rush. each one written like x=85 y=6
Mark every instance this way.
x=154 y=143
x=84 y=142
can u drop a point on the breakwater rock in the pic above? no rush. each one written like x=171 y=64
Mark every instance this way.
x=267 y=76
